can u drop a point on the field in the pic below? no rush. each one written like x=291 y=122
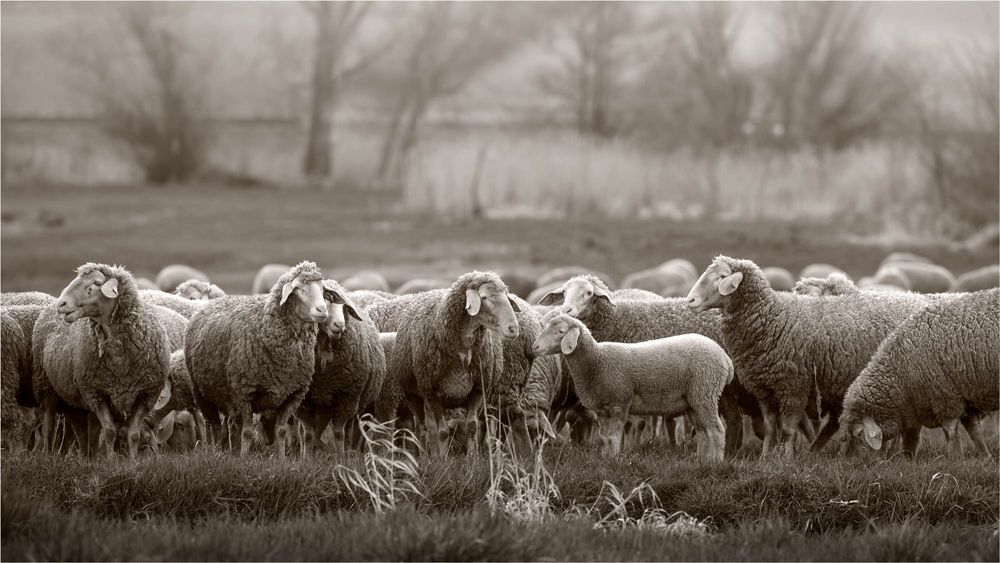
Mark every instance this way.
x=210 y=505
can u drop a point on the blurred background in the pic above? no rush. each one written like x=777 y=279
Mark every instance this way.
x=430 y=137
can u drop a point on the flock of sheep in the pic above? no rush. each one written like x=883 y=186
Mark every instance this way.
x=128 y=363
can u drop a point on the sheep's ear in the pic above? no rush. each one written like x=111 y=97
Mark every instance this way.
x=473 y=301
x=569 y=341
x=730 y=283
x=164 y=397
x=602 y=293
x=110 y=288
x=513 y=304
x=287 y=290
x=873 y=433
x=553 y=297
x=166 y=428
x=353 y=310
x=215 y=292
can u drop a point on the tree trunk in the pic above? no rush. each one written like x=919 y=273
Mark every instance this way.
x=317 y=162
x=390 y=145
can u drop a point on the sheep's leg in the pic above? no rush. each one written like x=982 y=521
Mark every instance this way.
x=200 y=426
x=48 y=424
x=134 y=428
x=670 y=429
x=789 y=426
x=770 y=418
x=338 y=417
x=282 y=417
x=473 y=406
x=437 y=430
x=612 y=429
x=911 y=442
x=971 y=424
x=246 y=430
x=733 y=428
x=109 y=432
x=79 y=422
x=950 y=428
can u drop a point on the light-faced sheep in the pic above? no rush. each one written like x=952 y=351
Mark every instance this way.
x=350 y=369
x=199 y=290
x=366 y=279
x=926 y=278
x=252 y=354
x=420 y=285
x=447 y=352
x=16 y=298
x=834 y=284
x=175 y=274
x=176 y=432
x=819 y=271
x=986 y=277
x=938 y=368
x=266 y=277
x=636 y=320
x=779 y=278
x=784 y=346
x=667 y=376
x=101 y=349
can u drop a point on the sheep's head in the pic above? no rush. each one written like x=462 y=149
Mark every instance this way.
x=865 y=430
x=834 y=284
x=176 y=431
x=93 y=293
x=578 y=296
x=301 y=288
x=713 y=288
x=198 y=290
x=561 y=334
x=488 y=302
x=339 y=306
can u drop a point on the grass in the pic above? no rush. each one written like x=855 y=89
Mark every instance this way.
x=211 y=505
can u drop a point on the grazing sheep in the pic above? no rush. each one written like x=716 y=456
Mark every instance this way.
x=564 y=273
x=178 y=394
x=926 y=278
x=986 y=277
x=186 y=307
x=834 y=284
x=198 y=290
x=365 y=298
x=629 y=321
x=447 y=353
x=366 y=279
x=101 y=349
x=421 y=285
x=819 y=271
x=267 y=276
x=16 y=298
x=891 y=275
x=252 y=354
x=779 y=278
x=350 y=369
x=897 y=257
x=938 y=368
x=176 y=432
x=784 y=346
x=667 y=376
x=175 y=274
x=13 y=357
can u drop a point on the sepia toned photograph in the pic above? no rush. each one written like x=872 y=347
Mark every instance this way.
x=500 y=281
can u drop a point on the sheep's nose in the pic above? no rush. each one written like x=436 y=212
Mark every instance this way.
x=338 y=325
x=566 y=309
x=62 y=303
x=510 y=331
x=320 y=312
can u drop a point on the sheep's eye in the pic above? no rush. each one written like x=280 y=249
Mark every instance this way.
x=589 y=293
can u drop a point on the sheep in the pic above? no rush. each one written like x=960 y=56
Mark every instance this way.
x=145 y=283
x=186 y=307
x=175 y=274
x=938 y=368
x=267 y=276
x=563 y=274
x=174 y=324
x=199 y=290
x=891 y=275
x=178 y=394
x=926 y=278
x=15 y=298
x=784 y=346
x=421 y=285
x=681 y=265
x=666 y=376
x=545 y=393
x=248 y=354
x=833 y=284
x=779 y=278
x=366 y=279
x=897 y=257
x=986 y=277
x=612 y=320
x=447 y=353
x=101 y=349
x=26 y=316
x=541 y=290
x=633 y=294
x=819 y=271
x=365 y=298
x=13 y=359
x=349 y=372
x=176 y=432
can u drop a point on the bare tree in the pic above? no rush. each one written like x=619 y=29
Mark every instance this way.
x=336 y=60
x=590 y=69
x=826 y=86
x=152 y=97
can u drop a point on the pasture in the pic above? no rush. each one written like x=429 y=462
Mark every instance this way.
x=211 y=505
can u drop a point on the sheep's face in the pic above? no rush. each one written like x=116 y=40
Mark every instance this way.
x=868 y=432
x=197 y=290
x=713 y=288
x=559 y=336
x=493 y=309
x=176 y=432
x=307 y=300
x=90 y=294
x=339 y=307
x=577 y=297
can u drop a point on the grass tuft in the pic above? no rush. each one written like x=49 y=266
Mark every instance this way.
x=389 y=473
